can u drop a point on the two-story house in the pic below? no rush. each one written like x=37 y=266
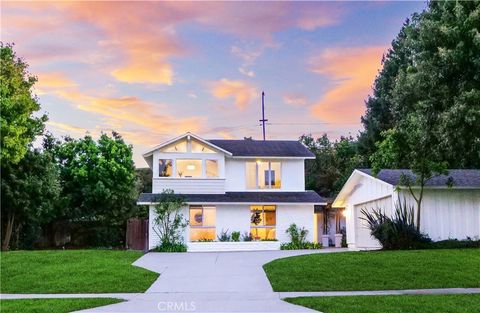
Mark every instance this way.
x=251 y=186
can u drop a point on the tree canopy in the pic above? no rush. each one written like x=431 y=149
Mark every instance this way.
x=18 y=104
x=428 y=92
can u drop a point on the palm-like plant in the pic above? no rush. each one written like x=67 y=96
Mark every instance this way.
x=398 y=231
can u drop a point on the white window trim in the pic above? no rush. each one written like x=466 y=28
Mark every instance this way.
x=257 y=176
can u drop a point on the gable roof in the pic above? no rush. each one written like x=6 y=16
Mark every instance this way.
x=166 y=143
x=460 y=178
x=261 y=148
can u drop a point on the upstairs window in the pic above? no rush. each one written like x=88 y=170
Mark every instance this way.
x=263 y=175
x=211 y=168
x=165 y=168
x=189 y=168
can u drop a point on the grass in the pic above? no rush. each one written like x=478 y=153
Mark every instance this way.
x=465 y=303
x=73 y=271
x=52 y=305
x=379 y=270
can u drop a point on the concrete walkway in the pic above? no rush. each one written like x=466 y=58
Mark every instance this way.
x=210 y=282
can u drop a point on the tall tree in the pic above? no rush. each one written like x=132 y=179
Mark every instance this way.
x=435 y=80
x=97 y=177
x=379 y=115
x=19 y=126
x=333 y=163
x=30 y=191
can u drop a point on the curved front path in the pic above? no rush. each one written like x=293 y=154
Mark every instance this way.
x=210 y=282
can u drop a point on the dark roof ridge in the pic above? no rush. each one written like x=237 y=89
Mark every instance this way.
x=454 y=178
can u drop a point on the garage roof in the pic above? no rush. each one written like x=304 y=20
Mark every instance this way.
x=458 y=178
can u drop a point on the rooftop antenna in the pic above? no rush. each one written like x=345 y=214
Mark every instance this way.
x=263 y=120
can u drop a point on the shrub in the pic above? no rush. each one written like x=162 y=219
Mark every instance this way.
x=306 y=245
x=235 y=236
x=247 y=236
x=169 y=222
x=453 y=244
x=224 y=236
x=170 y=247
x=298 y=239
x=398 y=232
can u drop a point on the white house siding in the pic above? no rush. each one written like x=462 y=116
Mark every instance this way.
x=236 y=217
x=189 y=185
x=233 y=217
x=362 y=232
x=301 y=215
x=292 y=172
x=449 y=213
x=368 y=189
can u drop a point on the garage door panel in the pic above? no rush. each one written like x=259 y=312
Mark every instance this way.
x=363 y=239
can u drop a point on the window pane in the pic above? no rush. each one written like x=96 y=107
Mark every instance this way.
x=251 y=175
x=256 y=218
x=270 y=218
x=211 y=168
x=197 y=234
x=196 y=218
x=179 y=146
x=198 y=147
x=164 y=168
x=263 y=175
x=275 y=174
x=209 y=216
x=263 y=233
x=189 y=168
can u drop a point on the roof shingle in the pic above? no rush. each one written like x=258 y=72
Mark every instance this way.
x=245 y=197
x=459 y=178
x=267 y=148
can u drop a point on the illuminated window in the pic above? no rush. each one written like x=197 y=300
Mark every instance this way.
x=164 y=168
x=263 y=221
x=263 y=175
x=198 y=147
x=179 y=146
x=202 y=223
x=189 y=168
x=211 y=168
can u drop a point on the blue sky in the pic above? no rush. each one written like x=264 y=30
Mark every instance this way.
x=153 y=70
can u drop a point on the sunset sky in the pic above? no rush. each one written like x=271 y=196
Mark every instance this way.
x=152 y=70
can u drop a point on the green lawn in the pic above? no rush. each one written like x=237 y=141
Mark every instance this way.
x=376 y=270
x=52 y=305
x=393 y=304
x=73 y=271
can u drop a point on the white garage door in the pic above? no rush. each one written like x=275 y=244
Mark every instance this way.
x=363 y=239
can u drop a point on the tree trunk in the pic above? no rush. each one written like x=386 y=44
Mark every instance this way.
x=419 y=207
x=8 y=232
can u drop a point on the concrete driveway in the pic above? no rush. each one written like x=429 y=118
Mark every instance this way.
x=210 y=282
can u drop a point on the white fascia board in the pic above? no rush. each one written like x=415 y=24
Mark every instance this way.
x=151 y=150
x=348 y=187
x=246 y=203
x=269 y=157
x=402 y=187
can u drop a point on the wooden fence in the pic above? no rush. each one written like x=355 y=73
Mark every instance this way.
x=137 y=234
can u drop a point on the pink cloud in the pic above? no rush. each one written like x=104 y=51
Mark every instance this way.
x=243 y=92
x=352 y=72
